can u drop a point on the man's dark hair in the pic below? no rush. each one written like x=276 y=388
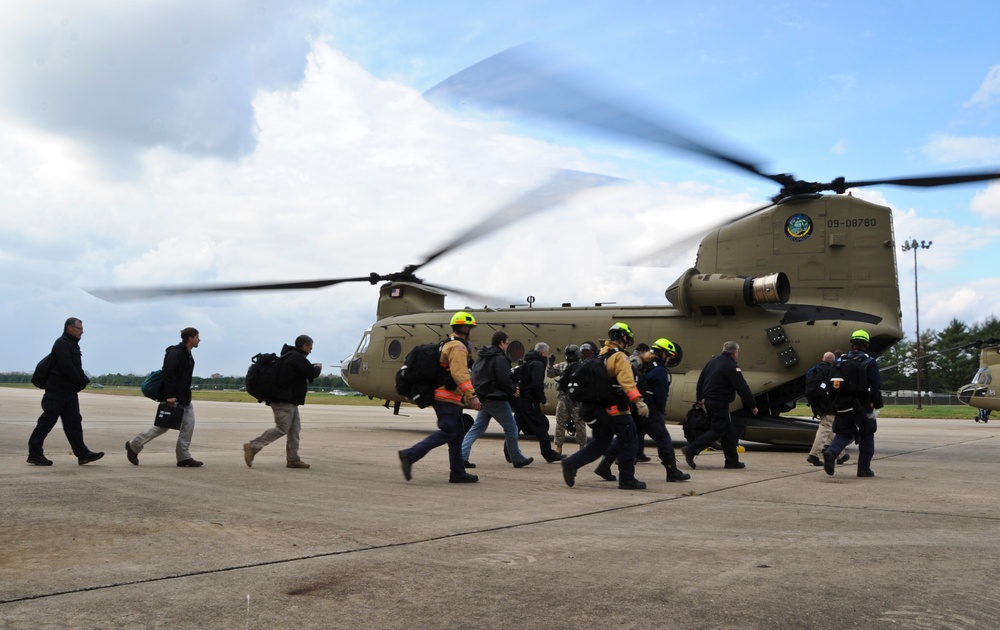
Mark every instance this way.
x=303 y=340
x=72 y=321
x=187 y=333
x=642 y=347
x=498 y=338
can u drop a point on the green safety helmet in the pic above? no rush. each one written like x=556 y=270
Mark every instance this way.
x=860 y=335
x=665 y=345
x=621 y=332
x=462 y=318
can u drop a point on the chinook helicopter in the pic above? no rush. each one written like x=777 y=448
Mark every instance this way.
x=981 y=393
x=788 y=281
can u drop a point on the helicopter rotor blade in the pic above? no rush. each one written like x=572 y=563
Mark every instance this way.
x=522 y=78
x=146 y=293
x=559 y=188
x=927 y=181
x=664 y=254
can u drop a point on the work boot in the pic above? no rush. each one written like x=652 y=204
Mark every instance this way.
x=39 y=460
x=830 y=462
x=569 y=472
x=86 y=458
x=843 y=458
x=248 y=454
x=468 y=464
x=406 y=465
x=603 y=470
x=634 y=484
x=673 y=473
x=689 y=457
x=132 y=456
x=463 y=478
x=296 y=464
x=734 y=465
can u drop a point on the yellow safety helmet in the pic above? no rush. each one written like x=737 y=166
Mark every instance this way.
x=860 y=335
x=665 y=345
x=621 y=332
x=462 y=318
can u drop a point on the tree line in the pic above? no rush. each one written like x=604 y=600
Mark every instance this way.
x=215 y=381
x=949 y=358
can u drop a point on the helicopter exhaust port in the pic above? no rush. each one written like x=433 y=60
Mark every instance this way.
x=719 y=294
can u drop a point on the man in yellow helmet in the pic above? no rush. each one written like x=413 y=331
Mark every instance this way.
x=449 y=399
x=857 y=396
x=613 y=417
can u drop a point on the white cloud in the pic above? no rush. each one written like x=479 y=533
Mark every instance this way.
x=989 y=89
x=945 y=149
x=120 y=77
x=987 y=202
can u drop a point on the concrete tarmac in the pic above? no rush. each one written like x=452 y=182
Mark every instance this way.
x=350 y=544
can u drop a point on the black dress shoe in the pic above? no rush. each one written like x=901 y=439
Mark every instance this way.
x=406 y=464
x=133 y=457
x=735 y=465
x=468 y=464
x=524 y=462
x=843 y=459
x=815 y=461
x=554 y=457
x=642 y=459
x=190 y=462
x=866 y=473
x=463 y=478
x=829 y=462
x=604 y=472
x=86 y=458
x=39 y=460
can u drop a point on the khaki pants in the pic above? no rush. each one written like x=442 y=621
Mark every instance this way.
x=824 y=435
x=286 y=422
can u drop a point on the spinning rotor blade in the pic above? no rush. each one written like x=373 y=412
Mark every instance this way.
x=126 y=295
x=521 y=78
x=562 y=186
x=680 y=245
x=927 y=181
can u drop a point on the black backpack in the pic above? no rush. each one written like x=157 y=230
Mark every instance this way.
x=42 y=371
x=567 y=377
x=590 y=382
x=695 y=423
x=262 y=376
x=421 y=374
x=818 y=388
x=849 y=382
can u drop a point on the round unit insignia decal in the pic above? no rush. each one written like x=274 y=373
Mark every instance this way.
x=798 y=227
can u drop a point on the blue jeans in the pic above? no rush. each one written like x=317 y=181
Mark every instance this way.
x=500 y=411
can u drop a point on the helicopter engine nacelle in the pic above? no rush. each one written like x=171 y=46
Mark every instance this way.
x=709 y=295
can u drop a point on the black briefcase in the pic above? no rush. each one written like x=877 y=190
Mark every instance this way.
x=168 y=416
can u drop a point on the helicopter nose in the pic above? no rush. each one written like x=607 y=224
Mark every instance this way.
x=345 y=367
x=967 y=392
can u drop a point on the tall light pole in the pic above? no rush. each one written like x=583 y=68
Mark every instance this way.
x=907 y=246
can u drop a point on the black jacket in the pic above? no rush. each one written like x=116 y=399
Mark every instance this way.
x=533 y=378
x=178 y=366
x=496 y=382
x=294 y=376
x=722 y=379
x=67 y=365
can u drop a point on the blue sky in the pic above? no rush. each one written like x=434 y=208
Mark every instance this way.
x=186 y=142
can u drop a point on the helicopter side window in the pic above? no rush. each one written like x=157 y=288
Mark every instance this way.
x=394 y=349
x=515 y=351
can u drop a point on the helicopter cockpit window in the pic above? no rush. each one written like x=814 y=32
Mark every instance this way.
x=365 y=340
x=515 y=351
x=983 y=377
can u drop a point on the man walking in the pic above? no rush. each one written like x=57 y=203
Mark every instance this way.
x=818 y=397
x=718 y=385
x=178 y=367
x=449 y=398
x=61 y=399
x=533 y=397
x=857 y=396
x=294 y=375
x=491 y=378
x=612 y=416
